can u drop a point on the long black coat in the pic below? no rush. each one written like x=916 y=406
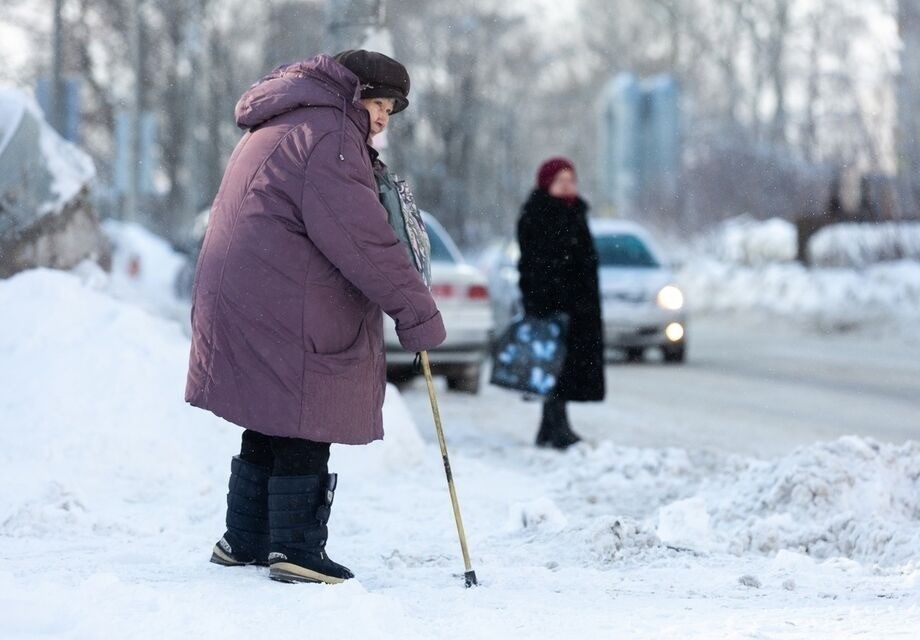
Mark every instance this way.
x=558 y=270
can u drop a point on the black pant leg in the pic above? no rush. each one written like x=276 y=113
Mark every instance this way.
x=256 y=448
x=299 y=457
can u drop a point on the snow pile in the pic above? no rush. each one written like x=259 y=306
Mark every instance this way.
x=860 y=245
x=97 y=437
x=611 y=539
x=748 y=241
x=633 y=481
x=852 y=497
x=71 y=169
x=865 y=274
x=686 y=523
x=144 y=269
x=541 y=514
x=85 y=373
x=829 y=298
x=143 y=273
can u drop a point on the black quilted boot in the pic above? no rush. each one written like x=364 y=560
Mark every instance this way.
x=247 y=538
x=298 y=510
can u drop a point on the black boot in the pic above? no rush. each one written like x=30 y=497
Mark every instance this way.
x=246 y=540
x=555 y=430
x=299 y=508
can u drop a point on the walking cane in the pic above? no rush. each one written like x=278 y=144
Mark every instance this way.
x=470 y=575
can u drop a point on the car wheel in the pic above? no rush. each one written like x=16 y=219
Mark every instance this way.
x=674 y=353
x=465 y=382
x=635 y=354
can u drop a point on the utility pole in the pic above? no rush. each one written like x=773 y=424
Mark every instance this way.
x=191 y=52
x=136 y=46
x=908 y=108
x=57 y=74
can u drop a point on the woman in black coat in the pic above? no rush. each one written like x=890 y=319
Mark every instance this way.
x=558 y=273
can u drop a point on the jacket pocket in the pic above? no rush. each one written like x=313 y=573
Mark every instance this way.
x=341 y=399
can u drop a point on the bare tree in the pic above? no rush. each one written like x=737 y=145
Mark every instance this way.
x=909 y=108
x=773 y=89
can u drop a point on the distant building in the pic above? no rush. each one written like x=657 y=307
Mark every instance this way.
x=639 y=144
x=46 y=219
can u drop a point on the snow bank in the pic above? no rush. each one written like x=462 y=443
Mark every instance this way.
x=748 y=241
x=853 y=498
x=85 y=373
x=860 y=245
x=541 y=514
x=97 y=438
x=830 y=298
x=864 y=273
x=144 y=270
x=611 y=539
x=686 y=523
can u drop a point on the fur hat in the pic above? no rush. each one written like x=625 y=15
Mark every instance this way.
x=380 y=75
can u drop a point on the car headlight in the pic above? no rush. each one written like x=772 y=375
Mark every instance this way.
x=674 y=332
x=670 y=298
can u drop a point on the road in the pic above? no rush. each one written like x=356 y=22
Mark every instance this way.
x=749 y=386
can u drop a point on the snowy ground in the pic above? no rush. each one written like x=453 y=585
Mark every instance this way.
x=749 y=386
x=113 y=492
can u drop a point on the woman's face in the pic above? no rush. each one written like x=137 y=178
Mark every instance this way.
x=380 y=110
x=564 y=185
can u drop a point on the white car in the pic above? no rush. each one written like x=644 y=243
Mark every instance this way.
x=642 y=307
x=462 y=294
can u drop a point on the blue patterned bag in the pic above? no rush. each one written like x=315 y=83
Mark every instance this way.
x=530 y=354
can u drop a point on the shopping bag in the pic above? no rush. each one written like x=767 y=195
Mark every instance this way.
x=529 y=355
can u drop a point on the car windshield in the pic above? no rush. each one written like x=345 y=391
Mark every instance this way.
x=623 y=250
x=439 y=250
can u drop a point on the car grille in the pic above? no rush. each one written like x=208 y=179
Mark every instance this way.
x=630 y=297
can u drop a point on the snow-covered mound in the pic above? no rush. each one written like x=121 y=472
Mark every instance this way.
x=864 y=274
x=830 y=298
x=853 y=498
x=96 y=435
x=747 y=241
x=144 y=269
x=860 y=245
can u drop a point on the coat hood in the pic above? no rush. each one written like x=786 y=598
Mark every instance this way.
x=316 y=82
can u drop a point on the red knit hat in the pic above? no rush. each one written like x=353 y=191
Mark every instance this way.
x=550 y=168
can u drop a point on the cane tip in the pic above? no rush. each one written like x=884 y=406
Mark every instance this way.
x=469 y=578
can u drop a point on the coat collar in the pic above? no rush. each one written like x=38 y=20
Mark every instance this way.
x=541 y=202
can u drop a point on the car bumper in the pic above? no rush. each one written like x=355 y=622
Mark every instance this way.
x=640 y=327
x=463 y=346
x=473 y=354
